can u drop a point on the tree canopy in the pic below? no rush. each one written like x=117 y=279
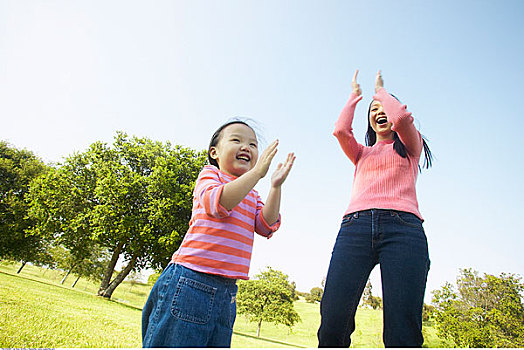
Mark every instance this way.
x=481 y=311
x=132 y=199
x=18 y=168
x=268 y=297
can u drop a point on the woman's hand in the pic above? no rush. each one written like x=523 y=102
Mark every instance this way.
x=379 y=82
x=355 y=86
x=282 y=171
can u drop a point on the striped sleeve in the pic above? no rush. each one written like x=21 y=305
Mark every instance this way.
x=261 y=226
x=208 y=190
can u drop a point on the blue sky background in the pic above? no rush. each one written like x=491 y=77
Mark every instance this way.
x=74 y=72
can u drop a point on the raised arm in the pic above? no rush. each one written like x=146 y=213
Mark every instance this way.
x=271 y=211
x=399 y=116
x=343 y=129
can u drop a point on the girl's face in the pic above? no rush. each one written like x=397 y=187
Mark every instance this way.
x=379 y=122
x=237 y=149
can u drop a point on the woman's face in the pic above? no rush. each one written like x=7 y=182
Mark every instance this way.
x=379 y=121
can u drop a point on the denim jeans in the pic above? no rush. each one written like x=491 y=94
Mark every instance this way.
x=187 y=308
x=396 y=241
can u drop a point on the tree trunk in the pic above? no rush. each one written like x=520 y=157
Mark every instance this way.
x=21 y=267
x=67 y=274
x=258 y=329
x=110 y=269
x=74 y=284
x=107 y=292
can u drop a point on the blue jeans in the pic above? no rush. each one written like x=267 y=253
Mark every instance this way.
x=187 y=308
x=396 y=241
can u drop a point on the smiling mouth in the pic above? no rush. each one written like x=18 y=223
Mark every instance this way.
x=244 y=157
x=382 y=120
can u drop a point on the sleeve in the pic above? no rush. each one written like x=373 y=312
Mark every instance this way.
x=344 y=132
x=261 y=226
x=402 y=121
x=208 y=189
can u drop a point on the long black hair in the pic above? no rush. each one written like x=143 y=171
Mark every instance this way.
x=216 y=138
x=398 y=146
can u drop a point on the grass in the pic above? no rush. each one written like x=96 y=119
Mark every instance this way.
x=37 y=312
x=134 y=294
x=39 y=315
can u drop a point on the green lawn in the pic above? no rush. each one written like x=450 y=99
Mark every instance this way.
x=37 y=312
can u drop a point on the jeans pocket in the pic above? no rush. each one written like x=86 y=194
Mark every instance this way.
x=349 y=219
x=193 y=301
x=407 y=219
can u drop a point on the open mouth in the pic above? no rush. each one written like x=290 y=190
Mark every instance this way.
x=382 y=120
x=244 y=157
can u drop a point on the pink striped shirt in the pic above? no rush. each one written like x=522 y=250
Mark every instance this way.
x=382 y=179
x=220 y=241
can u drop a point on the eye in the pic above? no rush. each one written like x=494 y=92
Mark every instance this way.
x=254 y=145
x=235 y=140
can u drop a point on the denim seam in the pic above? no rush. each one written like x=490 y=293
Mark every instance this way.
x=161 y=297
x=403 y=222
x=361 y=287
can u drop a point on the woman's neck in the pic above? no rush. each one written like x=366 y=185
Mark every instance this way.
x=386 y=137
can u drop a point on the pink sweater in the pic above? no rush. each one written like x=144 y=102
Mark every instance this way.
x=382 y=179
x=220 y=241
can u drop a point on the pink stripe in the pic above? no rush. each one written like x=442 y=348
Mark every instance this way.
x=215 y=255
x=222 y=272
x=224 y=227
x=235 y=215
x=202 y=237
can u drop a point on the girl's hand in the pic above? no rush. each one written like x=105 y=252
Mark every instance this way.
x=355 y=86
x=379 y=82
x=282 y=171
x=264 y=161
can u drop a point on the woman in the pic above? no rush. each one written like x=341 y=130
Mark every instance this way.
x=382 y=225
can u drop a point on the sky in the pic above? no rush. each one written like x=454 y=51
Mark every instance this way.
x=74 y=72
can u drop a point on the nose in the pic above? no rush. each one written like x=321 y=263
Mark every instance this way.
x=244 y=147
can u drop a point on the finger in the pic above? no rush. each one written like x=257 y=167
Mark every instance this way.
x=289 y=161
x=290 y=158
x=271 y=154
x=270 y=148
x=355 y=76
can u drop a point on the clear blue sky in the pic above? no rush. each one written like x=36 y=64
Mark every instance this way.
x=74 y=72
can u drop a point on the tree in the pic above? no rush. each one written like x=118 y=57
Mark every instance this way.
x=18 y=168
x=369 y=299
x=133 y=200
x=482 y=311
x=267 y=298
x=315 y=295
x=91 y=266
x=151 y=280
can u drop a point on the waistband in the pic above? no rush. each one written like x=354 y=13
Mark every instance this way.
x=370 y=212
x=219 y=278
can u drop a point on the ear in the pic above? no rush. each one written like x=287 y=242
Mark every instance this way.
x=213 y=153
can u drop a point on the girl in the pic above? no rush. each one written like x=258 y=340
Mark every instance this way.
x=381 y=226
x=192 y=304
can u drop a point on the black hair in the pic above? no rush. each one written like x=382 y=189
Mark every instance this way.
x=398 y=146
x=216 y=138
